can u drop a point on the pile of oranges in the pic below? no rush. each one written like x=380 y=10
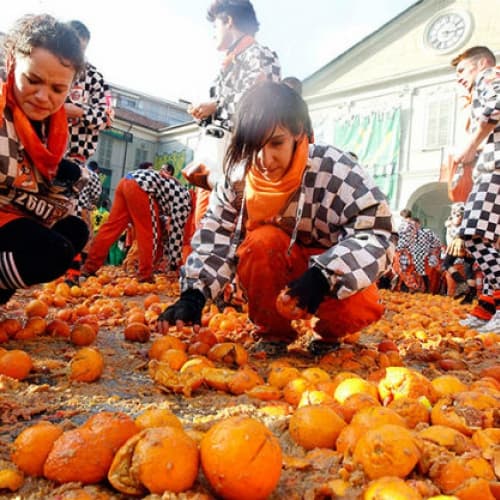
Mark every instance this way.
x=408 y=408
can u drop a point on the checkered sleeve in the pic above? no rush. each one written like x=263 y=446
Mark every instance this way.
x=359 y=211
x=179 y=208
x=96 y=110
x=488 y=92
x=212 y=263
x=90 y=193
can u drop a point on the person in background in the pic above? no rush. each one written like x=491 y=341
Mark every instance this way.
x=426 y=254
x=477 y=72
x=294 y=83
x=88 y=106
x=460 y=284
x=246 y=62
x=142 y=198
x=403 y=264
x=307 y=226
x=39 y=235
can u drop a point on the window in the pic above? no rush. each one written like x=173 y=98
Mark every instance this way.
x=104 y=150
x=141 y=155
x=438 y=121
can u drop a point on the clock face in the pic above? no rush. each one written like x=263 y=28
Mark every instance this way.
x=447 y=31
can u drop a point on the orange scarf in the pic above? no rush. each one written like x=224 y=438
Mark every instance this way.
x=45 y=157
x=243 y=43
x=265 y=199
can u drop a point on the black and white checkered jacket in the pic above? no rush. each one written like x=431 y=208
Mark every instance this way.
x=174 y=203
x=338 y=208
x=248 y=67
x=92 y=94
x=486 y=108
x=89 y=195
x=23 y=190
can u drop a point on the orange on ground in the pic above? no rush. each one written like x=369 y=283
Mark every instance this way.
x=137 y=332
x=351 y=386
x=390 y=488
x=388 y=450
x=157 y=417
x=32 y=446
x=166 y=459
x=82 y=335
x=86 y=365
x=58 y=328
x=16 y=364
x=241 y=458
x=163 y=343
x=36 y=307
x=315 y=426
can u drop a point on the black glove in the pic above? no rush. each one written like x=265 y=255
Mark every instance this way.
x=67 y=175
x=188 y=308
x=310 y=289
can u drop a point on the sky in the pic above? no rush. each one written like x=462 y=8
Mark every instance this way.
x=165 y=48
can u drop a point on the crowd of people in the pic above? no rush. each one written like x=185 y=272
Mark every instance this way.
x=295 y=228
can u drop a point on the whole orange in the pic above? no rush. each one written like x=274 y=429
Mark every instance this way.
x=16 y=364
x=32 y=445
x=315 y=426
x=166 y=459
x=241 y=458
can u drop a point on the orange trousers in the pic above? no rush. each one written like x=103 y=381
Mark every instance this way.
x=131 y=205
x=265 y=268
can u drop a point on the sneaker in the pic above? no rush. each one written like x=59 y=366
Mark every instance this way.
x=492 y=326
x=473 y=322
x=320 y=347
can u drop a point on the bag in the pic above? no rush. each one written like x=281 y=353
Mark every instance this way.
x=459 y=177
x=207 y=165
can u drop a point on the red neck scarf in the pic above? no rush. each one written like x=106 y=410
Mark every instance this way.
x=243 y=43
x=45 y=157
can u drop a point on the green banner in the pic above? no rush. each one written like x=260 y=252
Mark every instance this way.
x=376 y=140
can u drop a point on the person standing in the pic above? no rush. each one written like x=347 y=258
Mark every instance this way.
x=477 y=72
x=39 y=235
x=246 y=62
x=143 y=197
x=88 y=106
x=306 y=225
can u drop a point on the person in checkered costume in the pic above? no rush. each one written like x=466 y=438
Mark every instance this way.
x=88 y=106
x=144 y=198
x=289 y=217
x=39 y=234
x=476 y=70
x=246 y=62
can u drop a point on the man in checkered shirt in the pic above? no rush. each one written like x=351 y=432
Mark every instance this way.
x=476 y=70
x=301 y=224
x=88 y=106
x=143 y=198
x=246 y=62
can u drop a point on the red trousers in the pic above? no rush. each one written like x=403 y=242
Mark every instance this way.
x=131 y=205
x=265 y=268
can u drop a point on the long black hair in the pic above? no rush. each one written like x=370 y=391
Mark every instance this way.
x=262 y=108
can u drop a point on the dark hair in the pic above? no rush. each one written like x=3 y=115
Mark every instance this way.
x=406 y=213
x=169 y=168
x=294 y=83
x=93 y=165
x=81 y=30
x=241 y=12
x=262 y=108
x=45 y=32
x=144 y=165
x=476 y=52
